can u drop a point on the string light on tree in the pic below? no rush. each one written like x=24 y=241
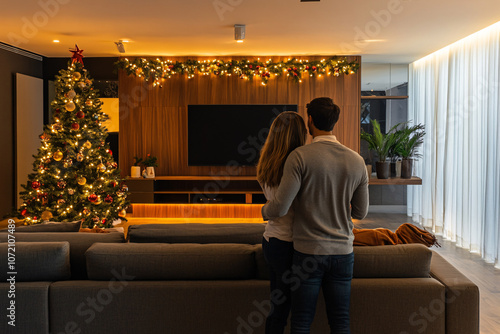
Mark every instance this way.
x=74 y=168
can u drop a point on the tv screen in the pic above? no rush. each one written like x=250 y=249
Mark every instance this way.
x=219 y=135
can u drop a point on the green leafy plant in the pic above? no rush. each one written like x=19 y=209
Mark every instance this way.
x=137 y=161
x=379 y=142
x=410 y=138
x=150 y=161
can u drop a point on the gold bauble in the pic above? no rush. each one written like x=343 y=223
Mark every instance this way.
x=98 y=201
x=101 y=167
x=81 y=180
x=70 y=106
x=86 y=211
x=57 y=156
x=77 y=76
x=71 y=94
x=79 y=157
x=46 y=215
x=87 y=144
x=122 y=213
x=81 y=84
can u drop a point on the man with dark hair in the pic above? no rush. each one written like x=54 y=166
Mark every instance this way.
x=327 y=184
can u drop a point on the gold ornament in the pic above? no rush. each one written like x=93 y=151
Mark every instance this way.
x=87 y=144
x=101 y=167
x=70 y=106
x=57 y=156
x=98 y=201
x=88 y=103
x=81 y=180
x=81 y=85
x=77 y=76
x=122 y=213
x=86 y=211
x=71 y=94
x=71 y=191
x=61 y=201
x=46 y=215
x=79 y=157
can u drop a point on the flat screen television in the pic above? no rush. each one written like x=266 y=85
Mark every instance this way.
x=224 y=134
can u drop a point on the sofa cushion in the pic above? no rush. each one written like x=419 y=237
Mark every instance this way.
x=197 y=233
x=31 y=308
x=79 y=243
x=48 y=227
x=35 y=261
x=398 y=261
x=155 y=261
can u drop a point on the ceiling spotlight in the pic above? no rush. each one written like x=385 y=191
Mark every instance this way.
x=239 y=32
x=55 y=41
x=120 y=46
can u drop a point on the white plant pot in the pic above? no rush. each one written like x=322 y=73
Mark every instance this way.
x=135 y=171
x=150 y=172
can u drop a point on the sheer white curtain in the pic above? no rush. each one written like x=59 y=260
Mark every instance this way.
x=455 y=92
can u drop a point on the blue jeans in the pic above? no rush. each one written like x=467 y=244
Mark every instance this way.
x=333 y=273
x=278 y=255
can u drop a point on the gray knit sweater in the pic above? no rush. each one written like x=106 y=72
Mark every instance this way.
x=327 y=184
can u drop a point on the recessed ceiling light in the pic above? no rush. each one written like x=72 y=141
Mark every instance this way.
x=55 y=41
x=239 y=32
x=374 y=40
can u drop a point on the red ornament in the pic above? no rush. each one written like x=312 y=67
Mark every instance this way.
x=35 y=185
x=295 y=73
x=77 y=56
x=314 y=68
x=92 y=198
x=58 y=111
x=80 y=114
x=109 y=152
x=23 y=212
x=108 y=199
x=113 y=184
x=250 y=66
x=75 y=126
x=61 y=184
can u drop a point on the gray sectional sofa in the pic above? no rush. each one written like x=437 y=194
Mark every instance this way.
x=195 y=278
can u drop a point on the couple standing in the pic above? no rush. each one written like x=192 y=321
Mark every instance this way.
x=313 y=191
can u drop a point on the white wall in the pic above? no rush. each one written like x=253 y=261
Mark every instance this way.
x=29 y=126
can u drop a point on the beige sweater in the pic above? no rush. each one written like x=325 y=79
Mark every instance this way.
x=330 y=184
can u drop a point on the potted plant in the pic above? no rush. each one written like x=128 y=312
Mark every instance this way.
x=135 y=170
x=410 y=138
x=150 y=163
x=381 y=144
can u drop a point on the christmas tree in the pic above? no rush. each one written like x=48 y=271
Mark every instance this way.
x=74 y=175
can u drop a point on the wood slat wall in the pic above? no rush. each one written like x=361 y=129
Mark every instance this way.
x=154 y=120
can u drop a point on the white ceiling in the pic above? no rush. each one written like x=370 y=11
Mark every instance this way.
x=408 y=29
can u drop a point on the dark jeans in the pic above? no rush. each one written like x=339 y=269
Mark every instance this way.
x=279 y=255
x=333 y=273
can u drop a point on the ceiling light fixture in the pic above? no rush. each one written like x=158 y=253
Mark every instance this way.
x=239 y=32
x=120 y=46
x=55 y=41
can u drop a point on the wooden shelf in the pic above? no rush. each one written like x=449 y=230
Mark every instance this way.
x=196 y=178
x=395 y=181
x=212 y=192
x=373 y=97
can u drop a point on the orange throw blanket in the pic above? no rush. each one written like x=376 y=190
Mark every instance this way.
x=405 y=234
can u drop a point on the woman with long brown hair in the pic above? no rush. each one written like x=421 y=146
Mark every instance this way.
x=287 y=132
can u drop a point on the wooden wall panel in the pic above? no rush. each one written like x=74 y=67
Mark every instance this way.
x=154 y=120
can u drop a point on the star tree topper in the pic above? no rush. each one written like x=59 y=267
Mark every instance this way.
x=77 y=56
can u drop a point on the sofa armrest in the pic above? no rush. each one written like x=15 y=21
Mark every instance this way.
x=462 y=297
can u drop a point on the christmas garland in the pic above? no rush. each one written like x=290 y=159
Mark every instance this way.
x=245 y=69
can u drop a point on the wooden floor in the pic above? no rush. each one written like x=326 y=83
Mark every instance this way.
x=483 y=274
